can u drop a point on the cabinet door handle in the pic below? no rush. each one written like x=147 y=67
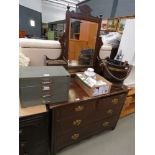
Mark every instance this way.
x=105 y=124
x=75 y=136
x=23 y=143
x=77 y=122
x=115 y=101
x=20 y=132
x=79 y=108
x=110 y=111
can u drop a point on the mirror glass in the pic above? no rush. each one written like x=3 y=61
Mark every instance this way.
x=82 y=42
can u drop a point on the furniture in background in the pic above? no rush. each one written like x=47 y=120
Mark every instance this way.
x=129 y=106
x=84 y=116
x=36 y=49
x=22 y=34
x=34 y=131
x=58 y=27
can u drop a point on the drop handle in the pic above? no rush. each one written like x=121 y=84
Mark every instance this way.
x=75 y=136
x=110 y=112
x=77 y=122
x=115 y=101
x=79 y=108
x=105 y=124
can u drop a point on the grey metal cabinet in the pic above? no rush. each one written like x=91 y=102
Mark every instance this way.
x=43 y=85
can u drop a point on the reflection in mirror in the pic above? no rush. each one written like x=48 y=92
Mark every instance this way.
x=82 y=42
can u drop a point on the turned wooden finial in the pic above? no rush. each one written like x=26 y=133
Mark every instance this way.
x=100 y=16
x=68 y=7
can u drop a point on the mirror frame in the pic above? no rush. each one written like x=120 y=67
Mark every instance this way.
x=83 y=13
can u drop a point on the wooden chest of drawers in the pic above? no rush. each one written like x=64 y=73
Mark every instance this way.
x=83 y=116
x=34 y=135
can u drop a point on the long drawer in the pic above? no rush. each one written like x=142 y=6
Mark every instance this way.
x=77 y=109
x=74 y=123
x=79 y=134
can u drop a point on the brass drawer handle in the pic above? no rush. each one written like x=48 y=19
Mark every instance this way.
x=115 y=101
x=75 y=136
x=110 y=112
x=77 y=122
x=79 y=108
x=105 y=124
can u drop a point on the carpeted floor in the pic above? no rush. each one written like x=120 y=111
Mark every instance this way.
x=120 y=141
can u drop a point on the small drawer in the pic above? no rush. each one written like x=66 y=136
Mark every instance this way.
x=76 y=109
x=108 y=123
x=113 y=100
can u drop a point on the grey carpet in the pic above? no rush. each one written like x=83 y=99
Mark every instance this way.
x=120 y=141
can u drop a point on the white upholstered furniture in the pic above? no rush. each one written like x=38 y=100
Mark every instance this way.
x=35 y=49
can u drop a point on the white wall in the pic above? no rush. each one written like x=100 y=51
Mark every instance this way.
x=51 y=12
x=32 y=4
x=127 y=44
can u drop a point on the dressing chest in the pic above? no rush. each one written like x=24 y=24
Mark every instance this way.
x=83 y=116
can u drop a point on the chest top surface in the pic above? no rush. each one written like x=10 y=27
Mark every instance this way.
x=77 y=94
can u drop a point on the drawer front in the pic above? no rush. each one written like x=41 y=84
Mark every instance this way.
x=104 y=124
x=113 y=100
x=70 y=138
x=47 y=91
x=78 y=135
x=35 y=81
x=73 y=123
x=76 y=109
x=110 y=106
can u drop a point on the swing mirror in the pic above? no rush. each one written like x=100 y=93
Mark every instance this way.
x=82 y=41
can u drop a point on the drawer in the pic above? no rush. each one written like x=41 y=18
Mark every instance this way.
x=76 y=109
x=104 y=124
x=71 y=138
x=113 y=100
x=77 y=135
x=73 y=123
